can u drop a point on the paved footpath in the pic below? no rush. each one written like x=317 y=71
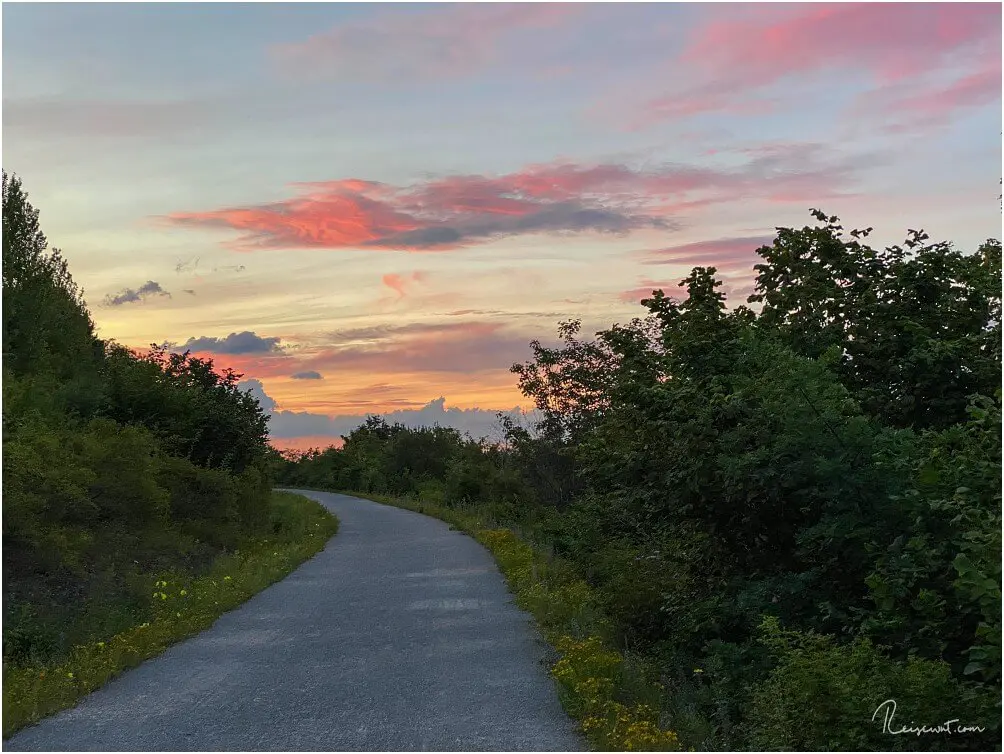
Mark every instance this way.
x=399 y=636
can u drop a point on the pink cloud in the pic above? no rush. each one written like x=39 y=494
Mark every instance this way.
x=978 y=88
x=466 y=347
x=452 y=40
x=460 y=211
x=473 y=347
x=909 y=106
x=726 y=254
x=400 y=283
x=645 y=290
x=883 y=43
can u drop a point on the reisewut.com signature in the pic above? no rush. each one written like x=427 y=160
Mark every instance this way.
x=888 y=710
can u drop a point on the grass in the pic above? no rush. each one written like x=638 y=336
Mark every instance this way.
x=611 y=695
x=182 y=606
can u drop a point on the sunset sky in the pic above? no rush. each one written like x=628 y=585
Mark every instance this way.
x=365 y=208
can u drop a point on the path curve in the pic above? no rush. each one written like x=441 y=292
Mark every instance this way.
x=399 y=636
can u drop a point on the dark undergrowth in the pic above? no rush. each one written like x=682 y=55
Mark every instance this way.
x=123 y=622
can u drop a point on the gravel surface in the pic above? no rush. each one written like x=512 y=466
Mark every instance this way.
x=399 y=636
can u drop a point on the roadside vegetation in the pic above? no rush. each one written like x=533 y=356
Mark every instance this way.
x=748 y=527
x=137 y=494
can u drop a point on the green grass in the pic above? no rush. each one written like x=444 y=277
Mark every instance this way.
x=182 y=606
x=610 y=694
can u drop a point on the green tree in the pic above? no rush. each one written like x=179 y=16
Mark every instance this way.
x=918 y=329
x=46 y=326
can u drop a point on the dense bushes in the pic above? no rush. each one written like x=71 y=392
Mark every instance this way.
x=820 y=691
x=829 y=463
x=116 y=465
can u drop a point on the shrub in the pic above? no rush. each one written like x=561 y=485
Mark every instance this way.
x=827 y=696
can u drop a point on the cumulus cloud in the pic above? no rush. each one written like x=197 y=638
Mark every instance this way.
x=130 y=295
x=309 y=375
x=559 y=198
x=257 y=390
x=234 y=343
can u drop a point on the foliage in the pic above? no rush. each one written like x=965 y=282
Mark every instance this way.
x=117 y=466
x=936 y=588
x=827 y=458
x=827 y=696
x=919 y=328
x=46 y=326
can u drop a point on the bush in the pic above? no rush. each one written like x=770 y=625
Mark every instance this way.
x=827 y=696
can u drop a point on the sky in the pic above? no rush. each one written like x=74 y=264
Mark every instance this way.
x=374 y=208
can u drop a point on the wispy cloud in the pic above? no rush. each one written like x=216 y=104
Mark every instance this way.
x=400 y=283
x=186 y=265
x=726 y=254
x=912 y=106
x=107 y=118
x=465 y=347
x=646 y=289
x=555 y=198
x=309 y=375
x=740 y=54
x=444 y=352
x=191 y=266
x=131 y=295
x=454 y=41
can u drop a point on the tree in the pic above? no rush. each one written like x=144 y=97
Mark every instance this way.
x=198 y=412
x=918 y=329
x=46 y=326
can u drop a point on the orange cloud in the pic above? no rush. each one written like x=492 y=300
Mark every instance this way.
x=344 y=214
x=309 y=442
x=400 y=283
x=383 y=367
x=457 y=212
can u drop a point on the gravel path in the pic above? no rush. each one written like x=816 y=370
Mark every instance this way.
x=399 y=636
